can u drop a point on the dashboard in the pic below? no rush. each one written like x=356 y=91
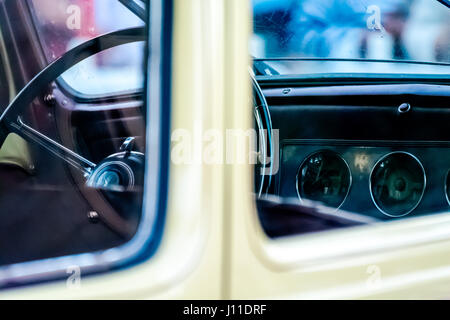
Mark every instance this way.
x=380 y=151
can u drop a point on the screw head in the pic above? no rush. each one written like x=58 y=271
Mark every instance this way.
x=93 y=216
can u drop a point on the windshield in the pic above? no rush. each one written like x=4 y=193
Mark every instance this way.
x=68 y=23
x=342 y=36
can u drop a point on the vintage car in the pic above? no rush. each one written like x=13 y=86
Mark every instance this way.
x=224 y=149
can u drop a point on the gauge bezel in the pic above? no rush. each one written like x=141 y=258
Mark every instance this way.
x=333 y=209
x=423 y=189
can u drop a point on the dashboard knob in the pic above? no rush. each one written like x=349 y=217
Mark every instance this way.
x=404 y=108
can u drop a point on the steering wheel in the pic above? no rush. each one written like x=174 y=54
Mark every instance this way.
x=265 y=165
x=99 y=183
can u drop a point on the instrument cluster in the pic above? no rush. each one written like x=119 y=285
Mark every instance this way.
x=380 y=179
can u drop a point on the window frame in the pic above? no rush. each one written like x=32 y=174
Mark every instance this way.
x=146 y=241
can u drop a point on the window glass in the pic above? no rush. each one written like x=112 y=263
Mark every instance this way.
x=63 y=24
x=313 y=32
x=71 y=173
x=356 y=134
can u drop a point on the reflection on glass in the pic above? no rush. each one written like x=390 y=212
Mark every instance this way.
x=400 y=30
x=447 y=187
x=64 y=24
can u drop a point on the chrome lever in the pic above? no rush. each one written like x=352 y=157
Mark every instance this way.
x=54 y=147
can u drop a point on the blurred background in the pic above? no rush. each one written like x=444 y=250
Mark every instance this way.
x=416 y=30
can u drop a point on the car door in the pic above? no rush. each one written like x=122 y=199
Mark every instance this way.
x=65 y=248
x=338 y=222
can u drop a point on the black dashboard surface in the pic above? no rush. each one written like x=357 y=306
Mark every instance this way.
x=362 y=124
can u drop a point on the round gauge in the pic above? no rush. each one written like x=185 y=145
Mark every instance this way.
x=397 y=184
x=447 y=187
x=324 y=177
